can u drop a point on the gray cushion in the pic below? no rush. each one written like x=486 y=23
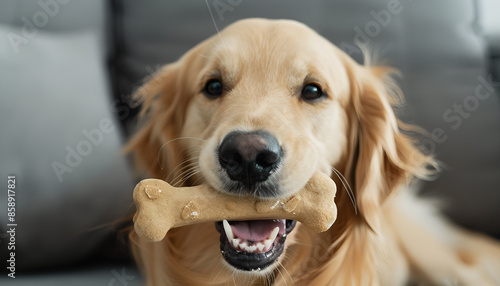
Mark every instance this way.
x=489 y=22
x=489 y=26
x=446 y=67
x=60 y=140
x=108 y=275
x=436 y=45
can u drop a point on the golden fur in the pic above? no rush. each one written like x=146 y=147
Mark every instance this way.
x=264 y=64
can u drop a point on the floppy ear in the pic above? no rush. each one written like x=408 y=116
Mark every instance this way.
x=383 y=154
x=162 y=116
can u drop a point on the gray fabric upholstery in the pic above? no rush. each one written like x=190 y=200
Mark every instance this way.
x=59 y=134
x=489 y=26
x=447 y=64
x=106 y=275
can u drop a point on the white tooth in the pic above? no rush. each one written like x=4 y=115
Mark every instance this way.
x=228 y=230
x=267 y=244
x=243 y=244
x=236 y=242
x=273 y=235
x=260 y=246
x=252 y=248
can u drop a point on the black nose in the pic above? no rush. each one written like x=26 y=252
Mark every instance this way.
x=249 y=157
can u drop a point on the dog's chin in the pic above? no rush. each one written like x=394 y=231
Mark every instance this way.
x=253 y=246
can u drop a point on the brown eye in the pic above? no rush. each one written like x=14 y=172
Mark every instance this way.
x=213 y=88
x=311 y=91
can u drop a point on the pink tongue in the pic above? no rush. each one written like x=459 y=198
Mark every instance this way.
x=256 y=230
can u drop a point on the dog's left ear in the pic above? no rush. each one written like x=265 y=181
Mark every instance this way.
x=383 y=155
x=163 y=107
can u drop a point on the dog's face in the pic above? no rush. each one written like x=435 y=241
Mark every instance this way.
x=255 y=110
x=268 y=116
x=269 y=106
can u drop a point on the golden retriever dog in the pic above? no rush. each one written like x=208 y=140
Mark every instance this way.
x=255 y=110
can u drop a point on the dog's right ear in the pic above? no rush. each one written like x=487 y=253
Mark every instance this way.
x=161 y=118
x=384 y=154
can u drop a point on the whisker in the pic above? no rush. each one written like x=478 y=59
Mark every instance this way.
x=173 y=140
x=288 y=274
x=196 y=181
x=179 y=167
x=270 y=278
x=175 y=171
x=347 y=188
x=185 y=176
x=218 y=271
x=223 y=40
x=212 y=16
x=178 y=178
x=192 y=170
x=189 y=176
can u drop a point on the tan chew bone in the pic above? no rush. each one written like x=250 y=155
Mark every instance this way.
x=161 y=207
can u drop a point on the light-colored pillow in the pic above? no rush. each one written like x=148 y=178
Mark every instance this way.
x=60 y=140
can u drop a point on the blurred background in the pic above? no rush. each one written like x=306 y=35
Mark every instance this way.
x=68 y=67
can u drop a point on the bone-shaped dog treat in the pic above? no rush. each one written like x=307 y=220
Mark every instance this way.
x=161 y=206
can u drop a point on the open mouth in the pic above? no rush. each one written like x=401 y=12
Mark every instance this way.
x=253 y=245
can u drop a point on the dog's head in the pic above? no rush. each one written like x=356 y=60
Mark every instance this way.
x=256 y=109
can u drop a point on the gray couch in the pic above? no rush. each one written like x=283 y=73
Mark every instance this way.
x=67 y=68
